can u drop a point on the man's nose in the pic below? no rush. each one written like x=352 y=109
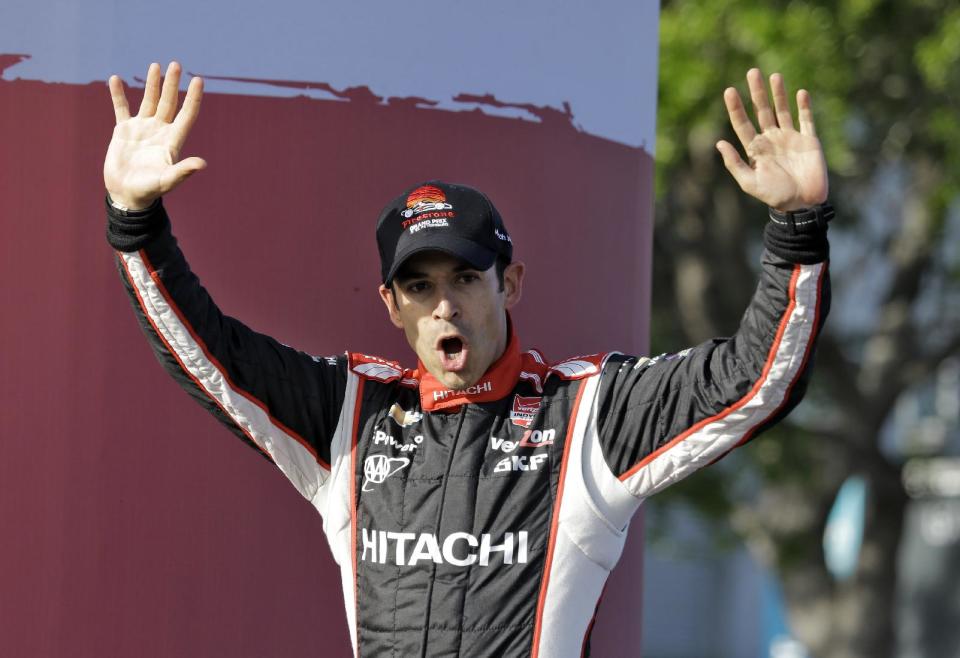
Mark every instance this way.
x=446 y=308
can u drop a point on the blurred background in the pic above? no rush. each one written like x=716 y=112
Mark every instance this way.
x=836 y=534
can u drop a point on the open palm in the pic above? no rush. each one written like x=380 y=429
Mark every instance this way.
x=786 y=168
x=142 y=161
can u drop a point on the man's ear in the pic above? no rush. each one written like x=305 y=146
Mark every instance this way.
x=513 y=283
x=386 y=294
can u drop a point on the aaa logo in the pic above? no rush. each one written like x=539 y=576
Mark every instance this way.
x=377 y=468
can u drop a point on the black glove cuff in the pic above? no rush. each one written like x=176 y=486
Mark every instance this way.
x=131 y=230
x=800 y=236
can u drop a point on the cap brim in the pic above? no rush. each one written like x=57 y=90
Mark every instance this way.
x=475 y=255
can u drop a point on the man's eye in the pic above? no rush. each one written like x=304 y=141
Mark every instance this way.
x=467 y=277
x=416 y=287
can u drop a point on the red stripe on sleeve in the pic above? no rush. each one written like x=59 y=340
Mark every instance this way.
x=203 y=347
x=551 y=544
x=176 y=356
x=771 y=357
x=354 y=439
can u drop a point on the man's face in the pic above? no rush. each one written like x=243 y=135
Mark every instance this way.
x=453 y=316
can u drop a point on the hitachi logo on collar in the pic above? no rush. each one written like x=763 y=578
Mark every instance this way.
x=460 y=549
x=476 y=389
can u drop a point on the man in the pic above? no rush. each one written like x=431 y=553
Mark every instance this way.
x=476 y=504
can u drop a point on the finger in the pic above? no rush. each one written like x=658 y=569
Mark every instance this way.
x=189 y=112
x=761 y=106
x=740 y=170
x=121 y=109
x=181 y=171
x=167 y=106
x=780 y=102
x=151 y=92
x=805 y=113
x=738 y=117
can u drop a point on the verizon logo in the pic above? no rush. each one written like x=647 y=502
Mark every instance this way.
x=460 y=549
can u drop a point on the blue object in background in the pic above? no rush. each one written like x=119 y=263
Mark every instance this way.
x=777 y=641
x=843 y=535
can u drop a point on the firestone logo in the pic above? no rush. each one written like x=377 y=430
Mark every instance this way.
x=426 y=198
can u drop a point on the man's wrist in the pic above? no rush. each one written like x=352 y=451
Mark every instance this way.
x=129 y=209
x=803 y=219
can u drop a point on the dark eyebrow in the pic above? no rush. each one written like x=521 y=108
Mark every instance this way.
x=406 y=275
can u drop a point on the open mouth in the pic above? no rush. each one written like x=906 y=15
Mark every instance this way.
x=453 y=353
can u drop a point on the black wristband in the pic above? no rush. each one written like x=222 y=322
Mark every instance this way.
x=805 y=218
x=799 y=236
x=130 y=230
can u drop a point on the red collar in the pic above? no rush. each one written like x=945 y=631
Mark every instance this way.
x=496 y=383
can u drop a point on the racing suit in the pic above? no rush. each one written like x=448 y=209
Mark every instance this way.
x=481 y=522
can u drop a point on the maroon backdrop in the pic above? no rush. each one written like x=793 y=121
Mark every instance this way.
x=133 y=524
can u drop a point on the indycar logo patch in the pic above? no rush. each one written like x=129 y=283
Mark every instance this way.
x=524 y=410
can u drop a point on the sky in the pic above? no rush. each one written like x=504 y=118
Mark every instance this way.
x=600 y=57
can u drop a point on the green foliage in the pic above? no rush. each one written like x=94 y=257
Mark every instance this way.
x=884 y=75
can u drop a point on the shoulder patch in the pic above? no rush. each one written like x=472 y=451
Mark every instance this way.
x=373 y=367
x=579 y=367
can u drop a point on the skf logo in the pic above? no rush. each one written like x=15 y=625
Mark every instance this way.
x=377 y=468
x=524 y=410
x=521 y=463
x=426 y=198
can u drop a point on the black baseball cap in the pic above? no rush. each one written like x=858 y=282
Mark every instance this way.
x=438 y=216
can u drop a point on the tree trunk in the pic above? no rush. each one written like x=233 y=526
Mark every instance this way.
x=855 y=618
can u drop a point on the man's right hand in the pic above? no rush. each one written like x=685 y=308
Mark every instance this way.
x=142 y=160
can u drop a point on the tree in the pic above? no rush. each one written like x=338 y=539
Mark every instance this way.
x=885 y=82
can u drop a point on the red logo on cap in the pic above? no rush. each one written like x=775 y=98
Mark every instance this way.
x=426 y=194
x=424 y=198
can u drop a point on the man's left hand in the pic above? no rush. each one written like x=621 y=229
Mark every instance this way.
x=786 y=168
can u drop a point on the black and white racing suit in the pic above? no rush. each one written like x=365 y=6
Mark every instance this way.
x=480 y=522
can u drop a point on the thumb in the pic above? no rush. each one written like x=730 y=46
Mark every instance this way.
x=740 y=170
x=181 y=171
x=189 y=166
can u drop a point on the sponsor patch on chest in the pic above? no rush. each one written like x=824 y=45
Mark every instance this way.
x=524 y=410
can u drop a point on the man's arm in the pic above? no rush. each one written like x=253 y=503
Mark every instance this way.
x=662 y=419
x=283 y=402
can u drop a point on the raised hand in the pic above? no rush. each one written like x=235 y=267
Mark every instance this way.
x=142 y=161
x=786 y=168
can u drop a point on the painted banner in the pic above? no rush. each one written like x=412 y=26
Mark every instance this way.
x=133 y=524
